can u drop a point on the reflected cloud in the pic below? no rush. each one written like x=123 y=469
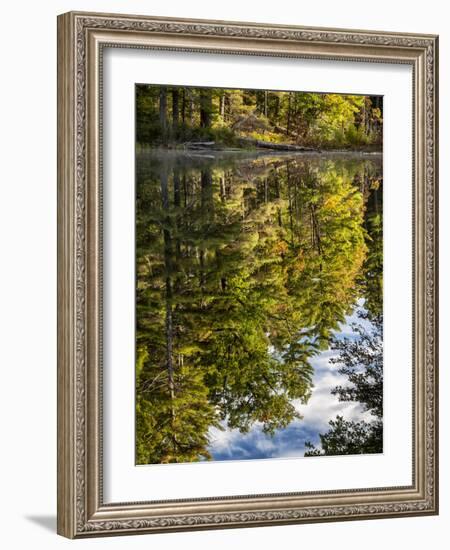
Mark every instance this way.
x=320 y=409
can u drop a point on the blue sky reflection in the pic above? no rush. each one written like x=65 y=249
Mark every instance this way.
x=290 y=441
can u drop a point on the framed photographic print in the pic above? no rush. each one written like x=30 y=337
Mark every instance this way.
x=247 y=284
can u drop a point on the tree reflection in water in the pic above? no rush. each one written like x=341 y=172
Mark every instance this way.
x=247 y=266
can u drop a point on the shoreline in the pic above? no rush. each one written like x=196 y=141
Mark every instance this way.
x=210 y=152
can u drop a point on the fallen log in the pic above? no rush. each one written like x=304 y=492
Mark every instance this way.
x=274 y=146
x=199 y=144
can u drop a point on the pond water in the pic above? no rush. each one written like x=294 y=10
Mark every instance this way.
x=250 y=269
x=322 y=406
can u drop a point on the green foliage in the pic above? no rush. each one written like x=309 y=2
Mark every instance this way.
x=170 y=116
x=361 y=360
x=373 y=267
x=347 y=437
x=172 y=429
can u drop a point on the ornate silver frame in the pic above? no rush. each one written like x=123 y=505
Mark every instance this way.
x=81 y=37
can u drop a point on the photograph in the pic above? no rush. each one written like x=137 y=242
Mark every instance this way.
x=258 y=274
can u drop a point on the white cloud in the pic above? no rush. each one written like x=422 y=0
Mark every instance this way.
x=320 y=409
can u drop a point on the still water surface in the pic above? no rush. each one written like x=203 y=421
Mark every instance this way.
x=248 y=266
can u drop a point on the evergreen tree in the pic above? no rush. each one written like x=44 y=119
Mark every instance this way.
x=361 y=360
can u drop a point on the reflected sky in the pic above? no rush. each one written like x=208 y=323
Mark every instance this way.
x=321 y=407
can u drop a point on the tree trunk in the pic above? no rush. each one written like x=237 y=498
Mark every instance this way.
x=222 y=106
x=177 y=204
x=277 y=108
x=163 y=111
x=183 y=106
x=206 y=211
x=291 y=223
x=206 y=185
x=205 y=108
x=168 y=281
x=316 y=231
x=175 y=108
x=222 y=188
x=288 y=121
x=191 y=107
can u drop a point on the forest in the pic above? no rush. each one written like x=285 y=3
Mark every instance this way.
x=246 y=266
x=216 y=118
